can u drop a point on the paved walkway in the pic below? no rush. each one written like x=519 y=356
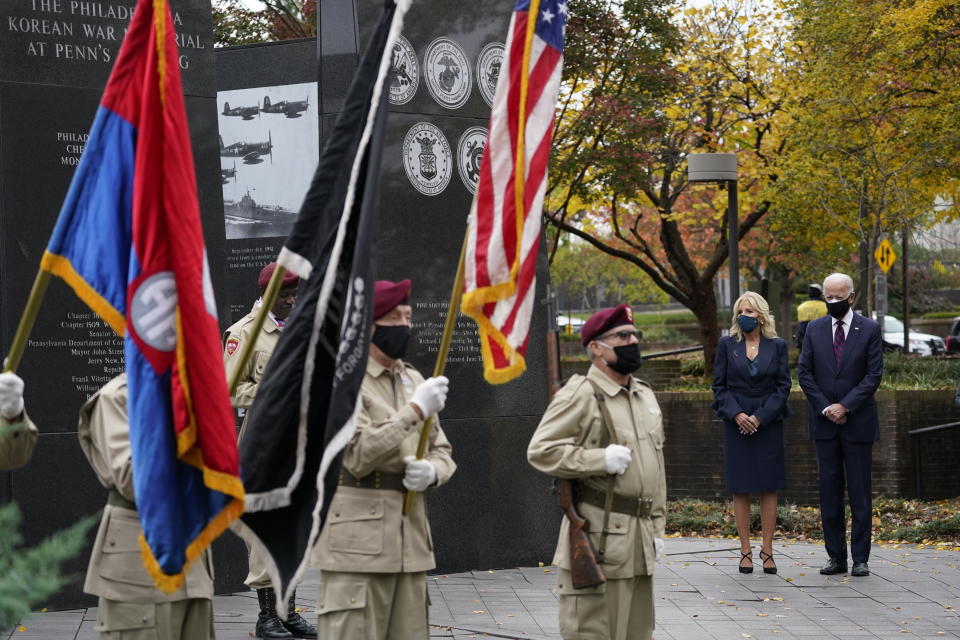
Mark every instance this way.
x=913 y=592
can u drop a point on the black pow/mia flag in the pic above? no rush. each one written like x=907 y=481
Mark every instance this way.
x=305 y=408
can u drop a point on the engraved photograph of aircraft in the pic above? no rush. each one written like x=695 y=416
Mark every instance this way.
x=291 y=109
x=245 y=113
x=260 y=198
x=226 y=174
x=250 y=152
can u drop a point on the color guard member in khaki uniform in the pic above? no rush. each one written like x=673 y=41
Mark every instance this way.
x=269 y=625
x=240 y=333
x=18 y=434
x=373 y=560
x=573 y=442
x=130 y=607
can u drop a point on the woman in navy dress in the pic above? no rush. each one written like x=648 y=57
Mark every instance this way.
x=751 y=383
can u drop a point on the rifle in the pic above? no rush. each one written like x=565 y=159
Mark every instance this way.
x=584 y=569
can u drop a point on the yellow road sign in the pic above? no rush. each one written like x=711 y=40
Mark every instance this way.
x=885 y=255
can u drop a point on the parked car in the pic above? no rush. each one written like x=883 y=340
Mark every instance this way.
x=952 y=341
x=922 y=344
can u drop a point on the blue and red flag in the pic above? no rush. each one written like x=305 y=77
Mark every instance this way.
x=129 y=243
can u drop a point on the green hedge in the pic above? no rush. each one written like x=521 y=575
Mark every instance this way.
x=937 y=315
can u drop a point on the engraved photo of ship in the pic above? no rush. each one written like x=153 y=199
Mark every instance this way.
x=247 y=219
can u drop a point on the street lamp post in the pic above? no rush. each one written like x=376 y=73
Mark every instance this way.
x=722 y=168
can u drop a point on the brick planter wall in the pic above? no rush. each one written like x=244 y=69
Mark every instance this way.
x=694 y=447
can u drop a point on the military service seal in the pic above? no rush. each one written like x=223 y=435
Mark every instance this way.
x=447 y=73
x=469 y=154
x=427 y=158
x=488 y=70
x=404 y=72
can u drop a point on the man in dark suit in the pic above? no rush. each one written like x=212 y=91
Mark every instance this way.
x=841 y=363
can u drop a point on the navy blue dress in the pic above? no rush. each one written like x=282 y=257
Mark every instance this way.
x=754 y=463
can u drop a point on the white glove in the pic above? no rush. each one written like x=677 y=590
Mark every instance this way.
x=658 y=548
x=11 y=395
x=617 y=457
x=431 y=396
x=419 y=474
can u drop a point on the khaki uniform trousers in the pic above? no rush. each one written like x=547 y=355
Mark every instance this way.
x=372 y=606
x=257 y=576
x=620 y=609
x=190 y=619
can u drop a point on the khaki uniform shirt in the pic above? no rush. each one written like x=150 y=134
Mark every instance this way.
x=116 y=571
x=570 y=443
x=16 y=442
x=235 y=337
x=365 y=531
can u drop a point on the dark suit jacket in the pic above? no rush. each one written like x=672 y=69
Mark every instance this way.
x=765 y=395
x=852 y=384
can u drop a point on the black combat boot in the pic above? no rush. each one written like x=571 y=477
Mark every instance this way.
x=296 y=624
x=269 y=625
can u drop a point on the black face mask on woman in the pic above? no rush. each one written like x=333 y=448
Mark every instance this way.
x=628 y=359
x=838 y=308
x=392 y=339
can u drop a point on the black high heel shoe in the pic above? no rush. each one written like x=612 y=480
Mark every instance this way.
x=743 y=569
x=769 y=556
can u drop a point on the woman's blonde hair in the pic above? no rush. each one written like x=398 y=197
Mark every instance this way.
x=767 y=327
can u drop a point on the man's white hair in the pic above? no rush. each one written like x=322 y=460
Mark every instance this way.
x=839 y=278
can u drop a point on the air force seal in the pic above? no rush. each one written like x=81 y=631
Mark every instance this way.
x=469 y=155
x=488 y=70
x=404 y=72
x=447 y=73
x=427 y=158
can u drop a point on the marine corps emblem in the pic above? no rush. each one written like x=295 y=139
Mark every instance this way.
x=488 y=70
x=404 y=72
x=469 y=154
x=447 y=73
x=427 y=158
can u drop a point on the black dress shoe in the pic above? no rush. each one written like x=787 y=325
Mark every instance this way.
x=833 y=567
x=860 y=569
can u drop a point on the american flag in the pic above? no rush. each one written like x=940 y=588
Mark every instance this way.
x=504 y=232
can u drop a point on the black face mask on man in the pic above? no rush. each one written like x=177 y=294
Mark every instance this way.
x=838 y=308
x=628 y=358
x=392 y=339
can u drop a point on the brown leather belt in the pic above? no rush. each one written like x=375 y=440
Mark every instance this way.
x=115 y=499
x=375 y=480
x=636 y=507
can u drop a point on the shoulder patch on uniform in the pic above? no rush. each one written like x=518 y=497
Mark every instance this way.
x=232 y=345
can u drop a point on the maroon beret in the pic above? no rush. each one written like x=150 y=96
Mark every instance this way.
x=604 y=320
x=290 y=279
x=387 y=295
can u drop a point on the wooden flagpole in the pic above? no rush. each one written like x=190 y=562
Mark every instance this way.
x=453 y=310
x=29 y=316
x=266 y=303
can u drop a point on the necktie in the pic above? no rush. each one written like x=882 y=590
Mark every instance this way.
x=838 y=342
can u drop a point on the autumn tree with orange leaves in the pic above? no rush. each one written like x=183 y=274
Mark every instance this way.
x=625 y=125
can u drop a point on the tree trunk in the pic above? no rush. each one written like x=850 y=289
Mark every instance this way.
x=704 y=307
x=785 y=312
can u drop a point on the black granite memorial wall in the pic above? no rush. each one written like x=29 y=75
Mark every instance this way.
x=497 y=511
x=55 y=57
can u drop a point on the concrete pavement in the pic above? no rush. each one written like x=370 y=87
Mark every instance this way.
x=913 y=592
